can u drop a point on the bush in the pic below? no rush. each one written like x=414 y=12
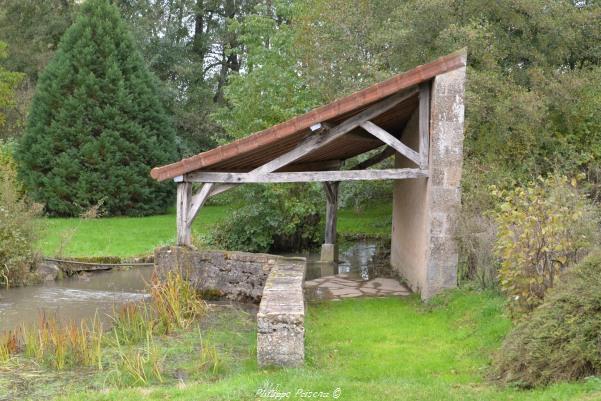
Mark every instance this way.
x=560 y=339
x=543 y=229
x=476 y=233
x=273 y=218
x=96 y=125
x=18 y=226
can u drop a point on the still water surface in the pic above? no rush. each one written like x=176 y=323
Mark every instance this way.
x=78 y=298
x=364 y=259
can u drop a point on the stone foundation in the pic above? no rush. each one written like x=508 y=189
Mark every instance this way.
x=329 y=253
x=281 y=317
x=237 y=276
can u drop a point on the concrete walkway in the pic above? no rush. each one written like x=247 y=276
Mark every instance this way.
x=343 y=286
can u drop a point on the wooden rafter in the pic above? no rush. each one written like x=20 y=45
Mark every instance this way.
x=391 y=141
x=375 y=159
x=325 y=136
x=314 y=142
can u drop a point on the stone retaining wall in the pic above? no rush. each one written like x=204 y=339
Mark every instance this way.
x=237 y=276
x=281 y=317
x=275 y=281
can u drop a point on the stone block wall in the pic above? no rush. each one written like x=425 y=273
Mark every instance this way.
x=237 y=276
x=275 y=281
x=425 y=211
x=281 y=317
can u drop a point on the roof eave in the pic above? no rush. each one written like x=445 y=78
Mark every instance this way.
x=323 y=113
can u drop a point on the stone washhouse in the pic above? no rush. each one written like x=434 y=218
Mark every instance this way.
x=417 y=117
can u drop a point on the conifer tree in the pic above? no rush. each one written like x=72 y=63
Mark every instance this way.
x=97 y=125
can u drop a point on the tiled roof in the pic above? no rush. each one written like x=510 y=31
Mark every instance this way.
x=250 y=152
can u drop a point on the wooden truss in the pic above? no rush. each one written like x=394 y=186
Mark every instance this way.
x=189 y=205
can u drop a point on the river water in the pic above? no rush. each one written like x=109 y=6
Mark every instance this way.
x=81 y=297
x=73 y=298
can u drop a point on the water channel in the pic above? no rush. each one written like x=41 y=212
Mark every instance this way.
x=80 y=297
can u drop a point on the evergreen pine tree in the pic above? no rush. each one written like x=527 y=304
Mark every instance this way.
x=97 y=125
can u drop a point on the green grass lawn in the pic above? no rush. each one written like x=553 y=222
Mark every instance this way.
x=372 y=349
x=134 y=236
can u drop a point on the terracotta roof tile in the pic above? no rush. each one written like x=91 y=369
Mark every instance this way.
x=297 y=125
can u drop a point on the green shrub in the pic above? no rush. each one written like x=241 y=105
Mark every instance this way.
x=97 y=125
x=543 y=229
x=273 y=218
x=560 y=339
x=476 y=233
x=18 y=226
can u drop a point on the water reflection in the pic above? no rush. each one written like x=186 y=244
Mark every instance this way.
x=362 y=259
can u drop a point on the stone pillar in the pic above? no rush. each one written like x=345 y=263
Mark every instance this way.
x=425 y=210
x=329 y=250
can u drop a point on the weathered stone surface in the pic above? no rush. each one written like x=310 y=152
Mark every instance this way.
x=340 y=286
x=48 y=271
x=281 y=317
x=424 y=249
x=329 y=253
x=238 y=276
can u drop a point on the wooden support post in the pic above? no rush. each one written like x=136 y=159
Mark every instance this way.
x=331 y=211
x=184 y=198
x=329 y=250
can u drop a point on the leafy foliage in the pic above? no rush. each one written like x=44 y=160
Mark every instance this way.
x=560 y=339
x=8 y=83
x=18 y=225
x=193 y=48
x=543 y=229
x=273 y=218
x=271 y=90
x=476 y=234
x=32 y=30
x=359 y=194
x=97 y=126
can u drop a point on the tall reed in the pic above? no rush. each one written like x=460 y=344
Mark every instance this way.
x=139 y=366
x=9 y=345
x=176 y=301
x=209 y=359
x=61 y=346
x=132 y=322
x=174 y=304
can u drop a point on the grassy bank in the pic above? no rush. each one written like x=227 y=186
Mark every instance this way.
x=372 y=349
x=131 y=236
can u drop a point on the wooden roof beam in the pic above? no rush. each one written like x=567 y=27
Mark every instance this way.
x=306 y=176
